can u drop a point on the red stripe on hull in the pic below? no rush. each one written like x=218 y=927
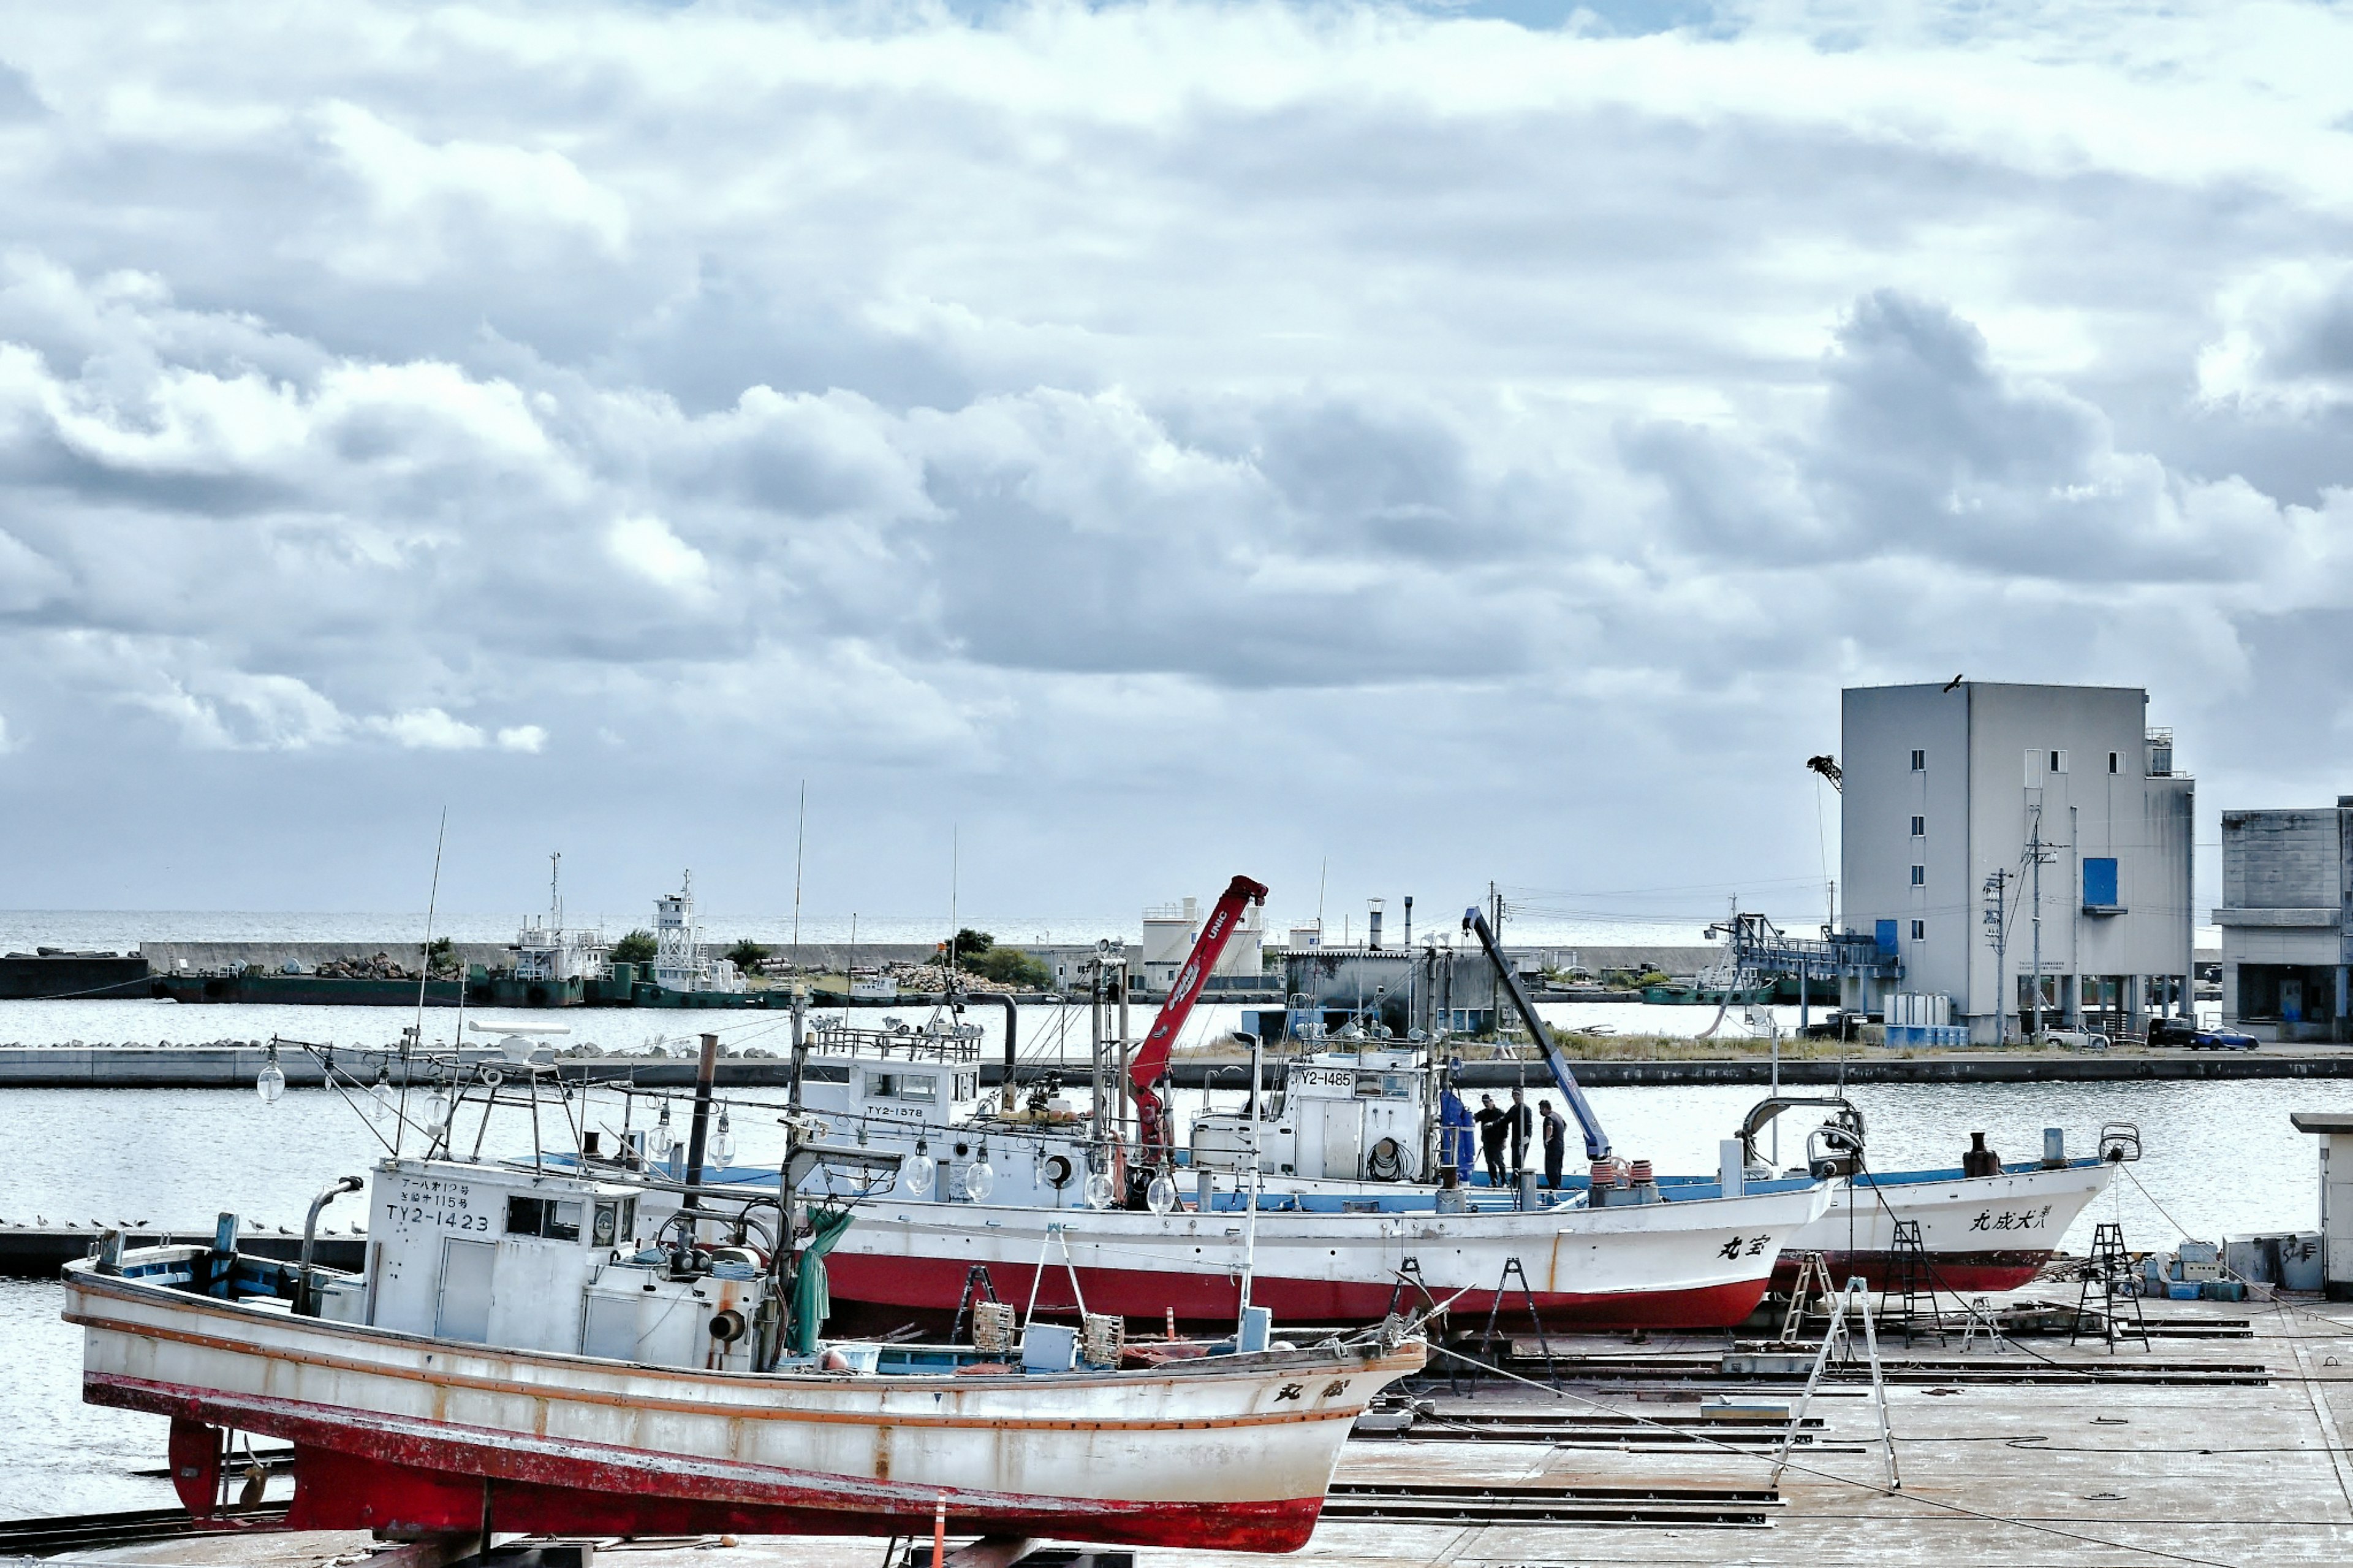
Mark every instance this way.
x=1948 y=1271
x=352 y=1473
x=929 y=1286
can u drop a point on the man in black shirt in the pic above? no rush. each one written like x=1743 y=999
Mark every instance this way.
x=1493 y=1125
x=1524 y=1125
x=1555 y=1141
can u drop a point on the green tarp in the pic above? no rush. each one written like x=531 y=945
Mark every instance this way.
x=811 y=1302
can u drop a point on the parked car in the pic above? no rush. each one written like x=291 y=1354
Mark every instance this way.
x=2172 y=1031
x=2075 y=1039
x=2221 y=1040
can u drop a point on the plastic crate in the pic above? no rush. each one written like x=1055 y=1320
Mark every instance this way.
x=2223 y=1290
x=2181 y=1290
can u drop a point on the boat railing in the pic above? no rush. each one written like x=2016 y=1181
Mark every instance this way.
x=930 y=1043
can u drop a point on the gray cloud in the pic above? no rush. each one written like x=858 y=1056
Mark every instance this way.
x=1038 y=423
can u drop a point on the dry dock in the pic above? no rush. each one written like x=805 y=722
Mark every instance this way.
x=2221 y=1441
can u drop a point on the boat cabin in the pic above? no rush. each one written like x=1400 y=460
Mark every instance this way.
x=549 y=1259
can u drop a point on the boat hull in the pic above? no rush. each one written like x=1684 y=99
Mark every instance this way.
x=1979 y=1233
x=404 y=1433
x=1695 y=1265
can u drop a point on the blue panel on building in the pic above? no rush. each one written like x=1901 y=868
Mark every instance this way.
x=2100 y=883
x=1886 y=934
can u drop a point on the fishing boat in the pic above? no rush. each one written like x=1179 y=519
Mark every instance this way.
x=1332 y=1198
x=581 y=1345
x=1357 y=1192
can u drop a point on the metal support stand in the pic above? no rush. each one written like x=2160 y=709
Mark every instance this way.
x=2110 y=1270
x=1813 y=1285
x=1408 y=1273
x=977 y=1287
x=1836 y=1337
x=1495 y=1310
x=1907 y=1271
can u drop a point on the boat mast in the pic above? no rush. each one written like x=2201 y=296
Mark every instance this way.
x=414 y=1040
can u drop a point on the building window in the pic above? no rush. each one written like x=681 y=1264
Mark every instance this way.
x=1919 y=828
x=1919 y=930
x=2058 y=761
x=1919 y=875
x=2115 y=762
x=1919 y=760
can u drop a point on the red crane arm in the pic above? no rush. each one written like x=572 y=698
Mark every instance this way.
x=1151 y=1061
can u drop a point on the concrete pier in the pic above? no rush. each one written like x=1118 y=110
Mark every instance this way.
x=2221 y=1441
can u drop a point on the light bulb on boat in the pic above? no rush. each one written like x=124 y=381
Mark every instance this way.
x=1161 y=1196
x=723 y=1141
x=270 y=1081
x=659 y=1140
x=915 y=1175
x=980 y=1180
x=436 y=1112
x=1099 y=1190
x=380 y=1097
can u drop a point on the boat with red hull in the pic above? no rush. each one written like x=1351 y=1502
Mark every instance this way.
x=512 y=1356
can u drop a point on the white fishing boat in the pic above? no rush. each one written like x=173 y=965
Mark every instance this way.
x=582 y=1347
x=1984 y=1224
x=1331 y=1197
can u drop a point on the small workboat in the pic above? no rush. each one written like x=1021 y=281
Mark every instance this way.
x=580 y=1345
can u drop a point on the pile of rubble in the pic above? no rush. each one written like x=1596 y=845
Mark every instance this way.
x=382 y=966
x=931 y=977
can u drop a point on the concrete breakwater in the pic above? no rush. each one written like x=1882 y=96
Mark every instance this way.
x=235 y=1066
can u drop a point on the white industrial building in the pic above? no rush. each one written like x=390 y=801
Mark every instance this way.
x=2286 y=935
x=1171 y=929
x=1948 y=793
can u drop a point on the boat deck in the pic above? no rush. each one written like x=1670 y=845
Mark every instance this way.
x=2221 y=1443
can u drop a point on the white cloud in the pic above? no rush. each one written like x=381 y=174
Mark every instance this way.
x=647 y=546
x=522 y=738
x=429 y=730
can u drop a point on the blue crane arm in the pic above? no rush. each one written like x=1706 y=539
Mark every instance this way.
x=1597 y=1142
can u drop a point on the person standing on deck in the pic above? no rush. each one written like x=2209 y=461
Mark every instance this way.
x=1492 y=1131
x=1555 y=1141
x=1454 y=1150
x=1524 y=1125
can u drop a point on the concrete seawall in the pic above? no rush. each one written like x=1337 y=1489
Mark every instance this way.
x=209 y=1067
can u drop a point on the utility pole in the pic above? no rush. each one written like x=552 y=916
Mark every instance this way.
x=2038 y=855
x=1997 y=887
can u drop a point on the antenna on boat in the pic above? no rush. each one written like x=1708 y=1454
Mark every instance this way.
x=800 y=846
x=414 y=1039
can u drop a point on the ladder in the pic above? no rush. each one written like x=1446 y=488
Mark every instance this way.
x=1837 y=1337
x=2110 y=1269
x=1813 y=1285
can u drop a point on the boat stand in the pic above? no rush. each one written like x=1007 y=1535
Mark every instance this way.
x=1838 y=1336
x=1004 y=1551
x=1535 y=1321
x=2109 y=1273
x=977 y=1288
x=1908 y=1274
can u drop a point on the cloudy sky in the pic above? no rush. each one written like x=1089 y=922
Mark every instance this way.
x=1147 y=442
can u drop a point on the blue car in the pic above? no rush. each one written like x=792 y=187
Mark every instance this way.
x=2221 y=1039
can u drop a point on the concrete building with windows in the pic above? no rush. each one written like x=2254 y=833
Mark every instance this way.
x=1171 y=929
x=2288 y=921
x=1952 y=794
